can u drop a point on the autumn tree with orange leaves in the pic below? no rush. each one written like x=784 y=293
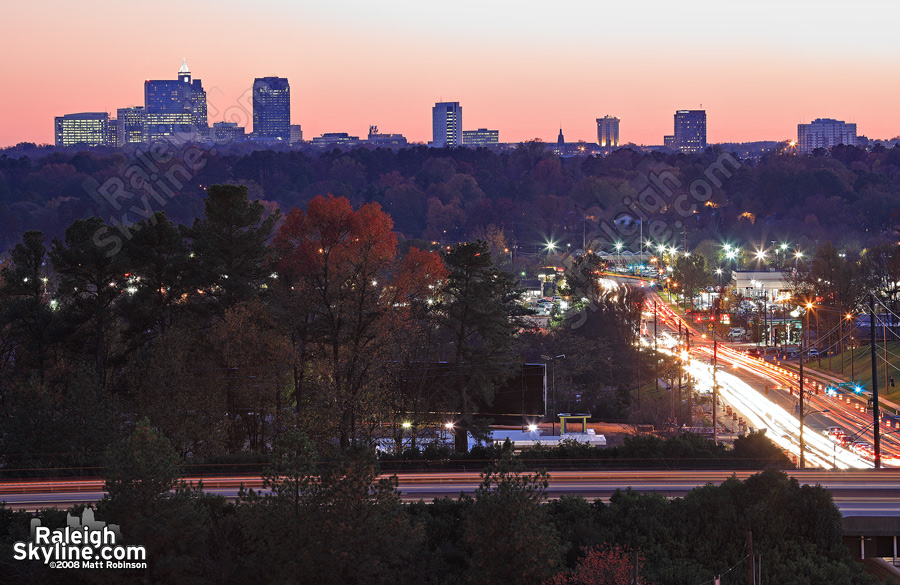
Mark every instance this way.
x=603 y=565
x=352 y=299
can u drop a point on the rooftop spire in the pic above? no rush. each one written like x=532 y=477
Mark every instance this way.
x=184 y=67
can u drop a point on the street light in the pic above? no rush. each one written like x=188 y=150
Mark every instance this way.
x=618 y=253
x=849 y=318
x=809 y=307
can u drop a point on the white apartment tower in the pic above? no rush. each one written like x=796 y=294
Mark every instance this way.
x=825 y=133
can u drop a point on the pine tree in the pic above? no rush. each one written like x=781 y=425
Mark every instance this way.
x=477 y=315
x=229 y=247
x=24 y=308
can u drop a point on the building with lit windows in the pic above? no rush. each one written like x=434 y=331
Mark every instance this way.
x=272 y=109
x=335 y=140
x=175 y=108
x=385 y=140
x=225 y=132
x=690 y=130
x=608 y=133
x=825 y=133
x=446 y=121
x=481 y=137
x=85 y=129
x=296 y=134
x=130 y=125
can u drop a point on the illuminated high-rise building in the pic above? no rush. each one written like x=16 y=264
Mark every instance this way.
x=690 y=130
x=272 y=109
x=175 y=108
x=84 y=129
x=130 y=122
x=608 y=133
x=446 y=120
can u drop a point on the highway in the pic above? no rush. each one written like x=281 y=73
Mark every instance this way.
x=766 y=395
x=856 y=492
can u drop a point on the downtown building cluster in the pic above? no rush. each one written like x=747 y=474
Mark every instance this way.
x=177 y=109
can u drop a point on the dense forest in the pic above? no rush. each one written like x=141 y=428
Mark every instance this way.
x=453 y=195
x=228 y=331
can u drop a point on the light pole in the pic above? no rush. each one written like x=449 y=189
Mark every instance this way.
x=802 y=407
x=618 y=254
x=715 y=401
x=809 y=308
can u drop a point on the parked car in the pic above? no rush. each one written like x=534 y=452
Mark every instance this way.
x=736 y=333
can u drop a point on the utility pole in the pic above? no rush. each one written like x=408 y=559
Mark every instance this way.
x=680 y=372
x=690 y=391
x=874 y=382
x=715 y=392
x=884 y=351
x=655 y=347
x=802 y=408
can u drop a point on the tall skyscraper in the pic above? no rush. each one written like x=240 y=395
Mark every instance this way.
x=272 y=109
x=84 y=129
x=690 y=130
x=608 y=133
x=175 y=108
x=446 y=121
x=825 y=133
x=130 y=123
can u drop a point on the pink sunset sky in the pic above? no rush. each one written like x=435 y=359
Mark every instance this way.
x=522 y=67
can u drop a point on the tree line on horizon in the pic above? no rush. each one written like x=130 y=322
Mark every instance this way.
x=530 y=195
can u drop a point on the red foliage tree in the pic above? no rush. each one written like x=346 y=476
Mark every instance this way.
x=355 y=296
x=602 y=565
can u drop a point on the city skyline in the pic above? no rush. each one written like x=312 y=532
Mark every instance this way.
x=523 y=72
